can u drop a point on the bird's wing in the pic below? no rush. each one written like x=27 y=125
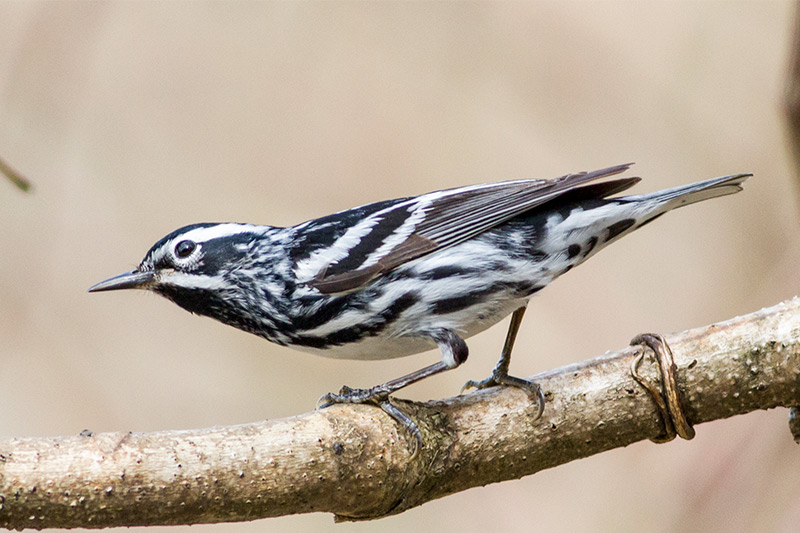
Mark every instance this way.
x=409 y=229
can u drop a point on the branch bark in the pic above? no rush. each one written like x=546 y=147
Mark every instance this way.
x=353 y=461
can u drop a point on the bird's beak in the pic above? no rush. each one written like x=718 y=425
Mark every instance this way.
x=129 y=280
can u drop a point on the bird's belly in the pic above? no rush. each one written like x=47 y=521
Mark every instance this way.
x=373 y=348
x=407 y=336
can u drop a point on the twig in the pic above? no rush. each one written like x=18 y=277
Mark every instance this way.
x=353 y=461
x=15 y=177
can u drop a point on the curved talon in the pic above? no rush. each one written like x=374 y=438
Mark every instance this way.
x=480 y=385
x=328 y=399
x=539 y=401
x=472 y=384
x=323 y=402
x=349 y=395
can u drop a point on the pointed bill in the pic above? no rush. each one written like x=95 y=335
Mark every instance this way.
x=129 y=280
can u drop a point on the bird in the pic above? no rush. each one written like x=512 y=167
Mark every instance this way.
x=403 y=276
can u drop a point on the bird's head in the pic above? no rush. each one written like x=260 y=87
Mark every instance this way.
x=194 y=266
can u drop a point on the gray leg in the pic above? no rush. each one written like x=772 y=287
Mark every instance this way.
x=500 y=373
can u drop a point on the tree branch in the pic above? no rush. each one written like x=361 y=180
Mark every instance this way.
x=352 y=460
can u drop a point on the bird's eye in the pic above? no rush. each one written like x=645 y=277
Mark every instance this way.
x=185 y=248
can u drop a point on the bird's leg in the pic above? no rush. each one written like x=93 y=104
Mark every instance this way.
x=500 y=373
x=454 y=352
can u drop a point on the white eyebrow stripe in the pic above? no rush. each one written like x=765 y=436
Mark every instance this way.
x=215 y=232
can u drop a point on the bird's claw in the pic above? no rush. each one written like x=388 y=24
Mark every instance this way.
x=347 y=394
x=479 y=385
x=379 y=398
x=531 y=388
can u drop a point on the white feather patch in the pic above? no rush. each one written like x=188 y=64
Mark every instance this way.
x=192 y=281
x=220 y=230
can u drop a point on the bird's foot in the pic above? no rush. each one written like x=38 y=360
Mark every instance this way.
x=374 y=396
x=500 y=378
x=378 y=397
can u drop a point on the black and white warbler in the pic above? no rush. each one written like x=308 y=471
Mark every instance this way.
x=403 y=276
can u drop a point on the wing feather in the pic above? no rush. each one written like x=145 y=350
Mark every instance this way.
x=440 y=219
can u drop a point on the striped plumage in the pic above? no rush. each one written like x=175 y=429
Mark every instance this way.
x=402 y=276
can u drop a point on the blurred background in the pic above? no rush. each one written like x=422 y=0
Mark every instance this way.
x=132 y=119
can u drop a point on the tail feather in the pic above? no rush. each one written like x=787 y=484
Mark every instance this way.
x=694 y=192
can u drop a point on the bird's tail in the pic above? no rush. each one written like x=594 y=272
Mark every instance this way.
x=694 y=192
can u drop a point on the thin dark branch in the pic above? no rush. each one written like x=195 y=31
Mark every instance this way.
x=15 y=177
x=353 y=461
